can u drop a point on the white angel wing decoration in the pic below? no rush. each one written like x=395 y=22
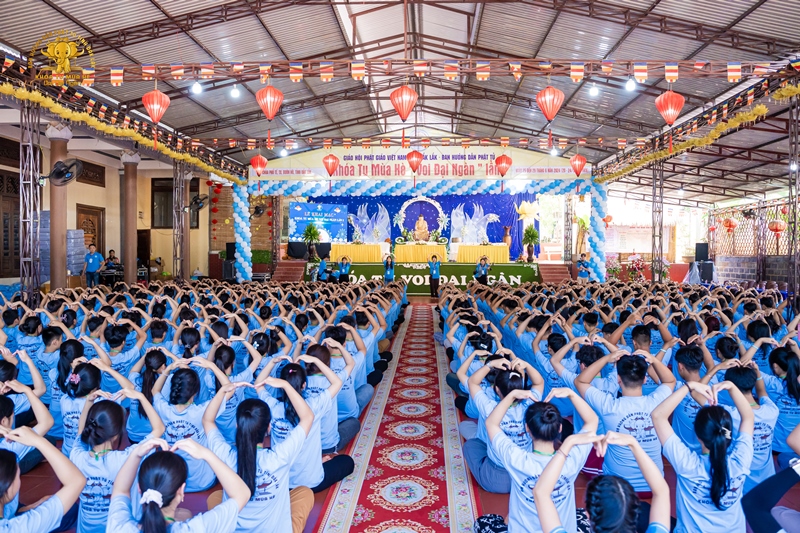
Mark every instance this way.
x=457 y=222
x=382 y=226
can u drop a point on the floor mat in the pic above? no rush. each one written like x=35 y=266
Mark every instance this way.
x=410 y=475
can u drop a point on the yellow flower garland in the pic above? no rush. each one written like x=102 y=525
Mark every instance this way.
x=737 y=120
x=784 y=93
x=21 y=93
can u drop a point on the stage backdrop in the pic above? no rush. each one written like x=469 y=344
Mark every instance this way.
x=501 y=205
x=330 y=220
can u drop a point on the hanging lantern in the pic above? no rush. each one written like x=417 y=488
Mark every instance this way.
x=214 y=200
x=259 y=163
x=729 y=224
x=156 y=104
x=777 y=227
x=549 y=101
x=215 y=209
x=503 y=163
x=214 y=220
x=269 y=99
x=209 y=183
x=712 y=229
x=403 y=100
x=670 y=105
x=414 y=160
x=785 y=209
x=607 y=219
x=218 y=190
x=577 y=162
x=331 y=163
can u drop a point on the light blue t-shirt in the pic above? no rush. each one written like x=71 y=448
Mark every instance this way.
x=513 y=423
x=122 y=362
x=766 y=417
x=629 y=415
x=788 y=412
x=329 y=425
x=696 y=510
x=346 y=401
x=45 y=517
x=220 y=519
x=434 y=268
x=93 y=262
x=683 y=421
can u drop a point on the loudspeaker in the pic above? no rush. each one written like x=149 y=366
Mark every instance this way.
x=230 y=250
x=706 y=271
x=701 y=251
x=228 y=270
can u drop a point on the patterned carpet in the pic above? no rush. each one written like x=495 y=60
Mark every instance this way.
x=410 y=476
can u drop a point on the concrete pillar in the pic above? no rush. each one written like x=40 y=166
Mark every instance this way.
x=186 y=252
x=59 y=135
x=130 y=162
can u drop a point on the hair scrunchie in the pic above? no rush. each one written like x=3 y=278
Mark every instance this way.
x=152 y=496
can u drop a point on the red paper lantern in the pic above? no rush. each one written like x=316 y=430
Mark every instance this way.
x=577 y=162
x=670 y=104
x=156 y=104
x=209 y=183
x=503 y=163
x=549 y=101
x=729 y=224
x=269 y=100
x=414 y=159
x=214 y=200
x=331 y=163
x=259 y=163
x=215 y=209
x=214 y=221
x=785 y=209
x=777 y=227
x=404 y=99
x=712 y=229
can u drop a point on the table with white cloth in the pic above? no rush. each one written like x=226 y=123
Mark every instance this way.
x=471 y=253
x=358 y=253
x=419 y=253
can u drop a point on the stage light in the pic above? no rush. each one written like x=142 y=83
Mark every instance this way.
x=197 y=88
x=235 y=91
x=594 y=91
x=680 y=191
x=554 y=152
x=284 y=153
x=630 y=85
x=793 y=166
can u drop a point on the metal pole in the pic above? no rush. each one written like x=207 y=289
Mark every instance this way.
x=569 y=213
x=761 y=240
x=179 y=170
x=30 y=208
x=793 y=277
x=658 y=221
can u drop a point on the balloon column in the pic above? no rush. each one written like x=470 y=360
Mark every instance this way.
x=241 y=227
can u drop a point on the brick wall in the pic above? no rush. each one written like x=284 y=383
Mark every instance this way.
x=735 y=267
x=777 y=268
x=222 y=232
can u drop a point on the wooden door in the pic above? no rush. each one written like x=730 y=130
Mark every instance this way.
x=9 y=250
x=143 y=247
x=92 y=220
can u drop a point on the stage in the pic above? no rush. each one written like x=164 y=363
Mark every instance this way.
x=460 y=274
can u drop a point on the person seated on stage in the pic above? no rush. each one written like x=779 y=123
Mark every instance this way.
x=481 y=274
x=112 y=261
x=421 y=232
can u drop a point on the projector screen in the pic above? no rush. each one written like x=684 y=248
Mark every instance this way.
x=330 y=220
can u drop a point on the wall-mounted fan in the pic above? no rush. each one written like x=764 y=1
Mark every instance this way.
x=257 y=212
x=198 y=202
x=63 y=172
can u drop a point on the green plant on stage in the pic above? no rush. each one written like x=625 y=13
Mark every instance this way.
x=262 y=257
x=223 y=255
x=310 y=234
x=530 y=236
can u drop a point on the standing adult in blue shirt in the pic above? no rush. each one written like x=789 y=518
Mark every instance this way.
x=583 y=269
x=323 y=268
x=344 y=269
x=388 y=268
x=482 y=271
x=92 y=264
x=434 y=265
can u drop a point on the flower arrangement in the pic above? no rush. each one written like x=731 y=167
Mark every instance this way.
x=636 y=268
x=435 y=234
x=613 y=268
x=661 y=265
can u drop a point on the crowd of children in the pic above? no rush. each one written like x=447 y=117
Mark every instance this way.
x=156 y=392
x=612 y=379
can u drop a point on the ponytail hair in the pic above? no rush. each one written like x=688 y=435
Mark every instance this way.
x=252 y=423
x=612 y=505
x=164 y=473
x=190 y=338
x=84 y=379
x=759 y=329
x=295 y=375
x=184 y=385
x=8 y=470
x=154 y=360
x=713 y=426
x=508 y=380
x=224 y=357
x=687 y=328
x=104 y=422
x=69 y=317
x=69 y=351
x=788 y=362
x=6 y=411
x=8 y=371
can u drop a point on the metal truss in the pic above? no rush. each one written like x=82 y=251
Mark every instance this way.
x=761 y=240
x=793 y=183
x=658 y=221
x=569 y=213
x=179 y=172
x=30 y=165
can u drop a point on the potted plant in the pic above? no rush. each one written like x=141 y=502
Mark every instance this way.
x=613 y=268
x=311 y=238
x=530 y=238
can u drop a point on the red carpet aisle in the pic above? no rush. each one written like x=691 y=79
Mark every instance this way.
x=410 y=476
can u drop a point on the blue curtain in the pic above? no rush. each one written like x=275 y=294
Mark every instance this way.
x=518 y=226
x=500 y=204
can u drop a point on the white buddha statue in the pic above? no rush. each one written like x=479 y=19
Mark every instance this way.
x=421 y=232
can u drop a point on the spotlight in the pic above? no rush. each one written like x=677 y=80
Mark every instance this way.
x=680 y=191
x=594 y=91
x=284 y=153
x=554 y=152
x=197 y=88
x=630 y=85
x=793 y=166
x=235 y=91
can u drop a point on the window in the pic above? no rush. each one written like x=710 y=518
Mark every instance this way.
x=161 y=203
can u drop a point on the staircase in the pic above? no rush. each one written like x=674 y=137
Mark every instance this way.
x=554 y=273
x=289 y=271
